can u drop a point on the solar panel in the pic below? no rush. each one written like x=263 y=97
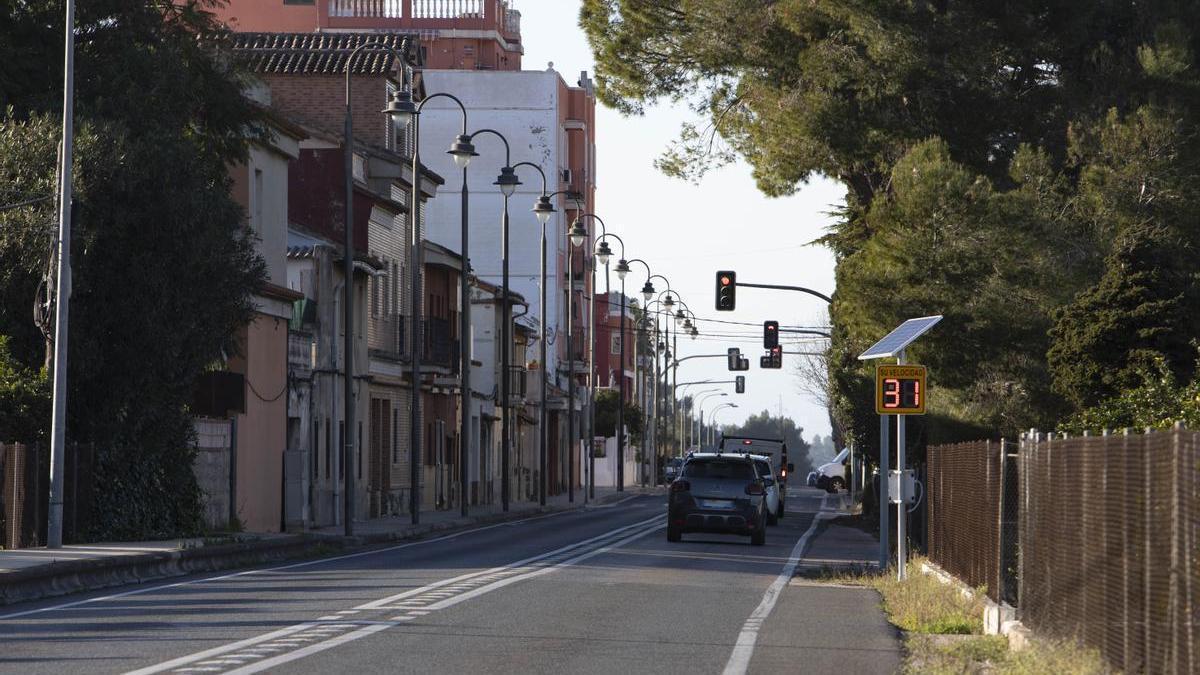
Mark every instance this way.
x=894 y=342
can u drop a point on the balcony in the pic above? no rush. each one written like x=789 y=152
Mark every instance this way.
x=424 y=14
x=389 y=340
x=518 y=384
x=440 y=349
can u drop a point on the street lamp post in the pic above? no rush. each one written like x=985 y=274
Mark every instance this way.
x=591 y=468
x=647 y=293
x=622 y=270
x=406 y=112
x=403 y=111
x=712 y=421
x=699 y=438
x=543 y=209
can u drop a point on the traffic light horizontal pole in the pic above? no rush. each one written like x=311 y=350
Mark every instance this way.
x=684 y=384
x=698 y=356
x=776 y=287
x=801 y=331
x=805 y=353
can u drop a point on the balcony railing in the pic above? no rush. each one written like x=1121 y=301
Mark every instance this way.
x=370 y=9
x=390 y=332
x=424 y=9
x=440 y=347
x=518 y=383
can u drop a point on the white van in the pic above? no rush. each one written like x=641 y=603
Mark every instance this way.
x=831 y=476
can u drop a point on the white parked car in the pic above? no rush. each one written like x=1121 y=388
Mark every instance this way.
x=771 y=480
x=831 y=476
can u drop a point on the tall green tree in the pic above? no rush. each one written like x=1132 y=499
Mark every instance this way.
x=1024 y=168
x=164 y=270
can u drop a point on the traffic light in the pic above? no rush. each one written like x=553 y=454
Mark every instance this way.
x=770 y=334
x=726 y=289
x=772 y=359
x=740 y=384
x=735 y=358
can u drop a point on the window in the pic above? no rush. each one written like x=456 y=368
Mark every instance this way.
x=616 y=344
x=718 y=469
x=256 y=201
x=395 y=435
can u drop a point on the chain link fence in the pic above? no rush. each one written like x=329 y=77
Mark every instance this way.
x=1110 y=553
x=972 y=514
x=1092 y=538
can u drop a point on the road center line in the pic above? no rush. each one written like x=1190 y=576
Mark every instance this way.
x=603 y=542
x=739 y=660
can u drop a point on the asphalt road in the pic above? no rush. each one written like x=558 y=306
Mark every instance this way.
x=592 y=591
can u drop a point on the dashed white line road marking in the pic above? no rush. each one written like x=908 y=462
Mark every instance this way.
x=334 y=634
x=743 y=649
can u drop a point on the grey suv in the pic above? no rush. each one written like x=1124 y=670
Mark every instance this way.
x=718 y=492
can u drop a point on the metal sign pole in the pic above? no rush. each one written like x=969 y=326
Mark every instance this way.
x=901 y=506
x=885 y=451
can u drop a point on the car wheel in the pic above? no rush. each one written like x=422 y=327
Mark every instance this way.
x=758 y=538
x=836 y=484
x=674 y=534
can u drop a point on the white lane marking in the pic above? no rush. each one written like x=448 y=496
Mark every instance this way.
x=371 y=630
x=743 y=649
x=265 y=570
x=376 y=604
x=327 y=630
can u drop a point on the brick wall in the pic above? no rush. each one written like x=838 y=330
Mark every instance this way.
x=319 y=101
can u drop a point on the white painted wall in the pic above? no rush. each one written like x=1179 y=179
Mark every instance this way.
x=523 y=106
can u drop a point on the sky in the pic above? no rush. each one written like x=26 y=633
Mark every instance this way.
x=687 y=232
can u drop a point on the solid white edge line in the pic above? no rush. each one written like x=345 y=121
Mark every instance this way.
x=320 y=561
x=743 y=650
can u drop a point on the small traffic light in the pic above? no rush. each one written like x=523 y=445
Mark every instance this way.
x=770 y=334
x=743 y=363
x=772 y=359
x=740 y=384
x=726 y=289
x=735 y=358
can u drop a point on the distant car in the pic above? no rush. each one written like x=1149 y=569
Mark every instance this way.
x=671 y=469
x=771 y=481
x=721 y=493
x=831 y=476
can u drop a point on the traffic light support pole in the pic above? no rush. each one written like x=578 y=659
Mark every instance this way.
x=776 y=287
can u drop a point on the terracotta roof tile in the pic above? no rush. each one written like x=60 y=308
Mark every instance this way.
x=319 y=53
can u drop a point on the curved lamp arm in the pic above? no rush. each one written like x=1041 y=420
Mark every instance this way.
x=497 y=134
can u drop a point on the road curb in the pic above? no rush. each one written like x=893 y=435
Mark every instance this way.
x=73 y=576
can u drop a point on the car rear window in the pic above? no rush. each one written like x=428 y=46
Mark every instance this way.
x=764 y=469
x=718 y=468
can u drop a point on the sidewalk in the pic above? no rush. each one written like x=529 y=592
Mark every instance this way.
x=836 y=546
x=844 y=626
x=35 y=573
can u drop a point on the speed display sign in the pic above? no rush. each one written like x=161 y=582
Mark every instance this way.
x=900 y=390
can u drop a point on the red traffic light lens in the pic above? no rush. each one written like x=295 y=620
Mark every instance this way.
x=725 y=281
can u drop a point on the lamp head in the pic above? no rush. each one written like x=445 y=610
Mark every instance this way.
x=462 y=150
x=680 y=317
x=622 y=269
x=578 y=233
x=401 y=108
x=603 y=252
x=507 y=181
x=648 y=291
x=543 y=209
x=668 y=302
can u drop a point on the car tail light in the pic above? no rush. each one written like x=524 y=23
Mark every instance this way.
x=680 y=486
x=755 y=488
x=783 y=473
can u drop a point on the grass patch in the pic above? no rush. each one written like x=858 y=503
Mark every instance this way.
x=938 y=655
x=943 y=628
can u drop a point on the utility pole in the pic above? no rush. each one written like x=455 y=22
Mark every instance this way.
x=58 y=425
